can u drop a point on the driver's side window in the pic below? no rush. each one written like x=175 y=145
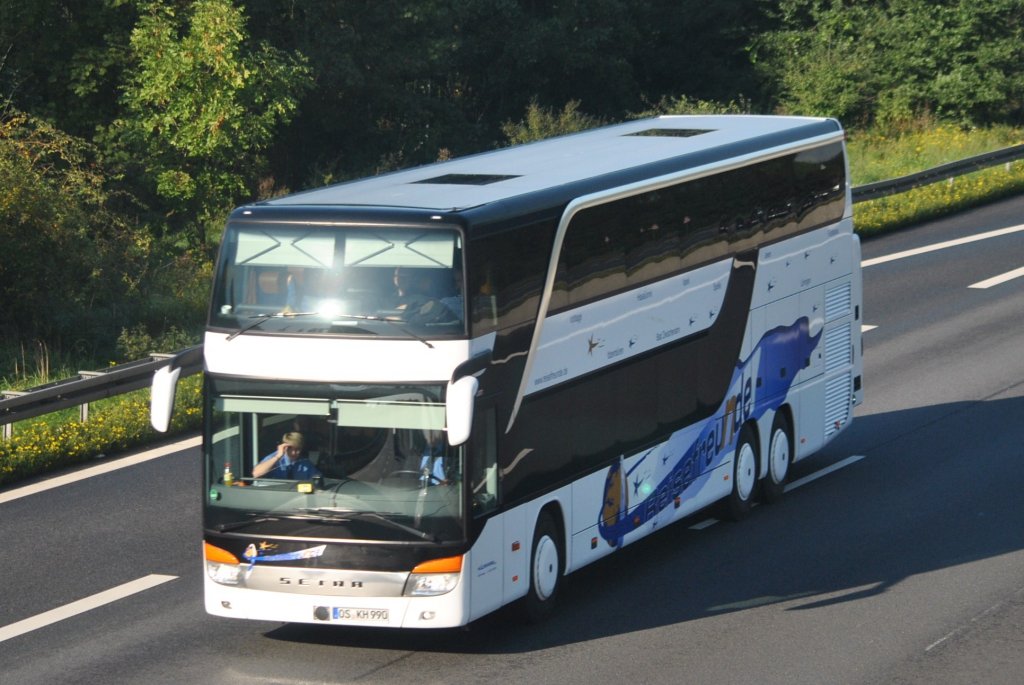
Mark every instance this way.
x=484 y=461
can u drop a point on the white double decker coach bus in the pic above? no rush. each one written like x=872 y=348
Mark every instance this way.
x=434 y=392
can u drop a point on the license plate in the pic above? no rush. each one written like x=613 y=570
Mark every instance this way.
x=361 y=615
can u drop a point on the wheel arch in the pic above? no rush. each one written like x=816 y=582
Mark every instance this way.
x=542 y=589
x=759 y=438
x=554 y=508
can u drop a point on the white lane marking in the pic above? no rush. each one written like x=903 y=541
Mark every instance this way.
x=707 y=523
x=113 y=465
x=865 y=328
x=82 y=605
x=998 y=280
x=824 y=472
x=995 y=607
x=941 y=246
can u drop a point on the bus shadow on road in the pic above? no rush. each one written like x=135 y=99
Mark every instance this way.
x=939 y=487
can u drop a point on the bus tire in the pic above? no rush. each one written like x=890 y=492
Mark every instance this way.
x=780 y=457
x=547 y=561
x=744 y=475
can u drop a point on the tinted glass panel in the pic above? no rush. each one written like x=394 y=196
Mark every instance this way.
x=295 y=279
x=628 y=242
x=507 y=272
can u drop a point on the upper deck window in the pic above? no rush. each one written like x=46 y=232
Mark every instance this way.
x=295 y=279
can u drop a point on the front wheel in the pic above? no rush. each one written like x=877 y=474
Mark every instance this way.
x=744 y=475
x=546 y=565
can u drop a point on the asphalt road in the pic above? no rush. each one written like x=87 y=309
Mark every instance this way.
x=904 y=563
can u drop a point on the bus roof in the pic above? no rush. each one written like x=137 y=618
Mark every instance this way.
x=648 y=146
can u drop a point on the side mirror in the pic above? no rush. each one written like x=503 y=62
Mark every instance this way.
x=161 y=400
x=459 y=408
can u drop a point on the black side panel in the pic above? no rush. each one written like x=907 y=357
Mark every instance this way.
x=577 y=427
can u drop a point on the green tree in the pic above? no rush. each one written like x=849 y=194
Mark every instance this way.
x=73 y=265
x=62 y=60
x=202 y=105
x=541 y=123
x=402 y=82
x=383 y=96
x=891 y=62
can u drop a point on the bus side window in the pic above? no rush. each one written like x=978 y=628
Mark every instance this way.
x=484 y=461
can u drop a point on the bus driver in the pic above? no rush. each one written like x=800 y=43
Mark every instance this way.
x=288 y=461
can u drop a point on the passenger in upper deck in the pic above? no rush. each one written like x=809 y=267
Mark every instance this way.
x=453 y=299
x=419 y=297
x=412 y=286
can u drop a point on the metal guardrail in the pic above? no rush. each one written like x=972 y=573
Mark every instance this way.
x=89 y=386
x=873 y=191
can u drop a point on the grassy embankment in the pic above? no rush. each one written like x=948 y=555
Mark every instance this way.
x=877 y=157
x=120 y=423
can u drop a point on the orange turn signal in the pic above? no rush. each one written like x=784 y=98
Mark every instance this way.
x=221 y=556
x=444 y=565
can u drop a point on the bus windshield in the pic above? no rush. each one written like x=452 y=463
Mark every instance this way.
x=361 y=463
x=297 y=279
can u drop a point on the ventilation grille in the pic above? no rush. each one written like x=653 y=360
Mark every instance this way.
x=837 y=404
x=837 y=347
x=838 y=301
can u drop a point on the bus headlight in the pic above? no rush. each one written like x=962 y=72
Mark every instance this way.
x=225 y=574
x=429 y=584
x=434 y=577
x=221 y=565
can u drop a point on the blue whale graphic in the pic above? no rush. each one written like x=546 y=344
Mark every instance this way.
x=780 y=354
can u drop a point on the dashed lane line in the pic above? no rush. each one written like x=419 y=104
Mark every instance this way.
x=941 y=246
x=998 y=280
x=707 y=523
x=82 y=606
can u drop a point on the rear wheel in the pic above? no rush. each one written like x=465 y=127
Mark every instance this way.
x=546 y=565
x=744 y=475
x=780 y=456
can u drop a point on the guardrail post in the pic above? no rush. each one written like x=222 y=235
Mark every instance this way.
x=9 y=427
x=83 y=409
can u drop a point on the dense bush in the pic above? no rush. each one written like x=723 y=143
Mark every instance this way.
x=71 y=261
x=889 y=63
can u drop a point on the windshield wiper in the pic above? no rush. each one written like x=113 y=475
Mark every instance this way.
x=393 y=322
x=305 y=516
x=235 y=525
x=260 y=318
x=335 y=514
